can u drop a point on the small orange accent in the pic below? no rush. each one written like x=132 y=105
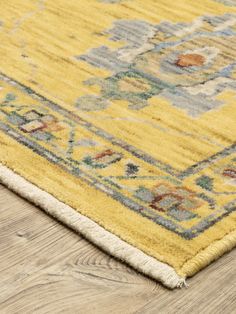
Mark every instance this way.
x=107 y=152
x=190 y=59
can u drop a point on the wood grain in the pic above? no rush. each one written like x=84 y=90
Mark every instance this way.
x=47 y=268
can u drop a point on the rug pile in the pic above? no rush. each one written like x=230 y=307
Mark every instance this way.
x=118 y=118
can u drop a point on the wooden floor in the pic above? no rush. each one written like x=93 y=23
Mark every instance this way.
x=47 y=268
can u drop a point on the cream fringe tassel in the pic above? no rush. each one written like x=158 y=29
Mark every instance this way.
x=91 y=230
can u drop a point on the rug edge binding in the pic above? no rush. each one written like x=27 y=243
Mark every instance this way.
x=93 y=232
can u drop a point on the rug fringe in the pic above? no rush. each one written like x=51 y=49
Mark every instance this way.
x=92 y=231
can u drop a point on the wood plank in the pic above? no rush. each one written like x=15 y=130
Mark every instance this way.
x=47 y=268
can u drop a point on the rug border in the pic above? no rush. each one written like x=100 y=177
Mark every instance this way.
x=92 y=231
x=111 y=243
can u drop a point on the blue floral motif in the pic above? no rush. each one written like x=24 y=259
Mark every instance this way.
x=187 y=64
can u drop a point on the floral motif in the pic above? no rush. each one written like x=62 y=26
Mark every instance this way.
x=229 y=173
x=102 y=159
x=205 y=182
x=39 y=125
x=188 y=64
x=178 y=202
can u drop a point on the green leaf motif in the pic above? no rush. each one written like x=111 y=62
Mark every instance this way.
x=205 y=182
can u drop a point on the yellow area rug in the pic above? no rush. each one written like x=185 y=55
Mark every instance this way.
x=118 y=118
